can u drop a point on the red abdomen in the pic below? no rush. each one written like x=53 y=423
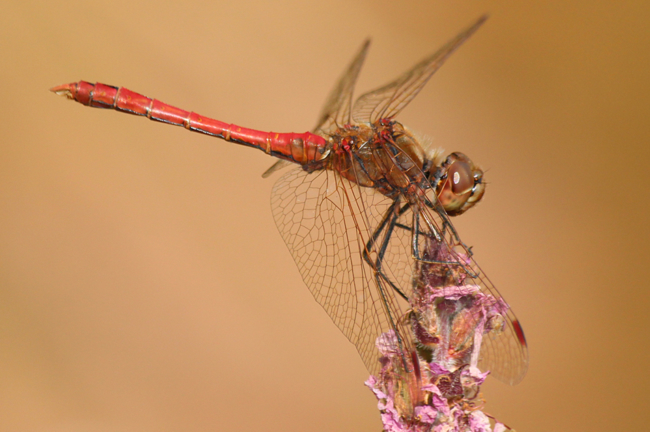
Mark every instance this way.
x=303 y=148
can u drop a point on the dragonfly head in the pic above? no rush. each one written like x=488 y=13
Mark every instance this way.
x=459 y=183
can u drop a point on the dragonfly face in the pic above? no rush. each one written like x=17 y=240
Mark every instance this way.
x=459 y=183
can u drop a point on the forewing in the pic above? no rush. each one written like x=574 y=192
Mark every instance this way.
x=504 y=353
x=339 y=103
x=326 y=222
x=389 y=100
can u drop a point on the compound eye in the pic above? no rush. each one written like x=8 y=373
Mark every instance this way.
x=461 y=186
x=462 y=179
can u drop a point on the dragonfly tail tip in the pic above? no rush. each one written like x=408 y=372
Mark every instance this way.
x=65 y=90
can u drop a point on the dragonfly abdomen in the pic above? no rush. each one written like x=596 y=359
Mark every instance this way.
x=303 y=148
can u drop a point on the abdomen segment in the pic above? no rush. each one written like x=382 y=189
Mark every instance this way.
x=302 y=148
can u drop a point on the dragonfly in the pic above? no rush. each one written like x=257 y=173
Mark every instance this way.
x=362 y=200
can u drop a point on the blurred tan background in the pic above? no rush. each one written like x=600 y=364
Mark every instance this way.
x=144 y=286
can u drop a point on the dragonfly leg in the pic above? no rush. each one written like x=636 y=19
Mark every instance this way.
x=379 y=277
x=439 y=237
x=388 y=224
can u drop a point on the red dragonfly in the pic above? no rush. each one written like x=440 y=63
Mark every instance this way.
x=360 y=207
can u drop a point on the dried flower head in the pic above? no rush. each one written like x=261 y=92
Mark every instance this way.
x=435 y=385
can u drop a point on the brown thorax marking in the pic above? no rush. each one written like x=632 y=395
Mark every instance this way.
x=383 y=155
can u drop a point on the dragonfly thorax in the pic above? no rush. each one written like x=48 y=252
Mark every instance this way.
x=383 y=155
x=387 y=156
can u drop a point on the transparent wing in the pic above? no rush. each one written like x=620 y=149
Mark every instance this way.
x=339 y=103
x=277 y=166
x=504 y=353
x=338 y=106
x=355 y=250
x=389 y=100
x=326 y=222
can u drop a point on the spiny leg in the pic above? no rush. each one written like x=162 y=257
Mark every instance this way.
x=439 y=237
x=388 y=224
